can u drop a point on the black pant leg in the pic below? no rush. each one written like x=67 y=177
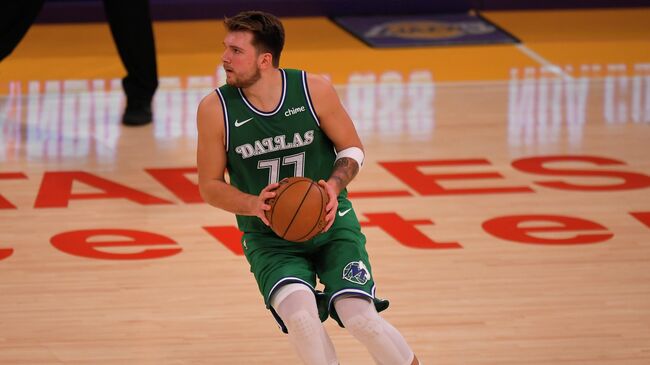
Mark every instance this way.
x=130 y=23
x=16 y=16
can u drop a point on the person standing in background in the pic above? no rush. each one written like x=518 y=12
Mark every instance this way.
x=132 y=31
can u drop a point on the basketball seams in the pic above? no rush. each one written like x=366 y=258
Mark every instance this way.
x=297 y=209
x=274 y=199
x=277 y=197
x=320 y=192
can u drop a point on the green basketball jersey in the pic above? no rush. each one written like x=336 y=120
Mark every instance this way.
x=265 y=147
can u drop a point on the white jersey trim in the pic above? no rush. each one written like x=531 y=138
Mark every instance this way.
x=225 y=118
x=291 y=279
x=351 y=291
x=308 y=97
x=277 y=109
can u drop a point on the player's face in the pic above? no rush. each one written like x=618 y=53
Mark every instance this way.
x=240 y=59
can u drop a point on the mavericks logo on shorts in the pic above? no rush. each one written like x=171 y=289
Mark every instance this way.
x=356 y=272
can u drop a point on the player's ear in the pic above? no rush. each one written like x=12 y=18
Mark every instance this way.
x=266 y=60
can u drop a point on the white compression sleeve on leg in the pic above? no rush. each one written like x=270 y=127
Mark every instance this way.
x=296 y=305
x=383 y=341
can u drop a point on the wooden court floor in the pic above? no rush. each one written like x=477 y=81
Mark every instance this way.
x=505 y=198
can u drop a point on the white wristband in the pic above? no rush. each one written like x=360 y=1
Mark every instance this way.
x=354 y=153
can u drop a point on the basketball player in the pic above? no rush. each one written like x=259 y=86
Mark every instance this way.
x=268 y=123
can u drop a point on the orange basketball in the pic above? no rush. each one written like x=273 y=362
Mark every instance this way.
x=298 y=209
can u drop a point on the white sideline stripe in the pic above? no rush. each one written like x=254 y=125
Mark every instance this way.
x=546 y=63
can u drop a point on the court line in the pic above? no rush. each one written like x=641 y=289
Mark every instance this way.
x=551 y=67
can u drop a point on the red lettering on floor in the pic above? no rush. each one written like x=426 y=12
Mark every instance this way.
x=4 y=203
x=85 y=243
x=404 y=231
x=5 y=252
x=512 y=228
x=229 y=236
x=535 y=165
x=643 y=217
x=427 y=184
x=174 y=180
x=56 y=190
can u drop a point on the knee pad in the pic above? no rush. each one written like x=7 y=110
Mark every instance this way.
x=360 y=317
x=383 y=341
x=284 y=291
x=304 y=324
x=296 y=305
x=365 y=326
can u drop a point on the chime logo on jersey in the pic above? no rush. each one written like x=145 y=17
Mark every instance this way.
x=356 y=272
x=292 y=111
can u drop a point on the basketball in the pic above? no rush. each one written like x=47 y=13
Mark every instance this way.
x=298 y=209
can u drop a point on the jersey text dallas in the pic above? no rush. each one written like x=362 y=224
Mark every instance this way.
x=272 y=144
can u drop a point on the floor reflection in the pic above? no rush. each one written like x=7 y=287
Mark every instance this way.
x=549 y=103
x=546 y=105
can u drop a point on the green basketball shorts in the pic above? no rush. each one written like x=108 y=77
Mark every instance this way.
x=337 y=259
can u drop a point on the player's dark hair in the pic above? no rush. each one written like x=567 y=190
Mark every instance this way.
x=268 y=32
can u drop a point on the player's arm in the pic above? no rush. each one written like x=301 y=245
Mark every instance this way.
x=337 y=125
x=211 y=162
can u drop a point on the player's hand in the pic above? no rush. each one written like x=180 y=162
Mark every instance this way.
x=331 y=206
x=261 y=205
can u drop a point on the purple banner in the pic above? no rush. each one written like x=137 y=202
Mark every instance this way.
x=426 y=30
